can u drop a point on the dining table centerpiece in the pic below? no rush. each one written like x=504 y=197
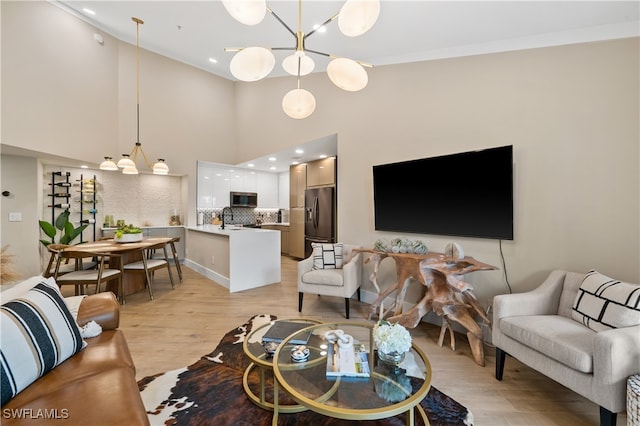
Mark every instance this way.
x=392 y=340
x=128 y=234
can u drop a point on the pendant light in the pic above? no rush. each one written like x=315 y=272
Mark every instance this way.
x=128 y=161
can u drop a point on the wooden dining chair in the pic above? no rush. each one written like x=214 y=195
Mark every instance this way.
x=174 y=252
x=82 y=278
x=148 y=264
x=68 y=266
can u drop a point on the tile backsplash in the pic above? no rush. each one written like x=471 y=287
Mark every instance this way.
x=142 y=200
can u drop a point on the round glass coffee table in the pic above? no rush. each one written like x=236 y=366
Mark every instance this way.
x=385 y=393
x=253 y=348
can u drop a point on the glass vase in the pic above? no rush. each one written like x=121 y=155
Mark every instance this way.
x=391 y=358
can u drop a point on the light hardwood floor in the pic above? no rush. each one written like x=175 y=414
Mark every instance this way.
x=180 y=325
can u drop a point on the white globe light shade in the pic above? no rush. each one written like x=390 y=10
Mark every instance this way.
x=248 y=12
x=347 y=74
x=252 y=63
x=290 y=64
x=125 y=161
x=298 y=103
x=358 y=16
x=130 y=171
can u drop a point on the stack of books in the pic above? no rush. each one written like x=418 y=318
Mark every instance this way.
x=349 y=361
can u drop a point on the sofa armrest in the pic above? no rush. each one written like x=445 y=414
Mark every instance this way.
x=102 y=308
x=616 y=354
x=543 y=300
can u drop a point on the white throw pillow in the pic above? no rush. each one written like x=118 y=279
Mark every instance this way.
x=603 y=303
x=327 y=255
x=38 y=333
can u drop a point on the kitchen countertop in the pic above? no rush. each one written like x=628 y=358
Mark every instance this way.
x=115 y=228
x=229 y=229
x=275 y=223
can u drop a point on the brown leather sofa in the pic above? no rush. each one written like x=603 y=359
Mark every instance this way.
x=97 y=386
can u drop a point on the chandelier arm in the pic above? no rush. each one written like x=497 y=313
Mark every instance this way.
x=293 y=33
x=328 y=21
x=282 y=48
x=332 y=56
x=146 y=161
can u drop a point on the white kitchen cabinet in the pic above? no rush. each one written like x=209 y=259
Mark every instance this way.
x=267 y=189
x=216 y=181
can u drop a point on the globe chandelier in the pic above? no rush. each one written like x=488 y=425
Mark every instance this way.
x=254 y=63
x=128 y=161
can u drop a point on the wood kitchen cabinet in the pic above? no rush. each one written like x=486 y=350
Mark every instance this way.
x=321 y=172
x=297 y=185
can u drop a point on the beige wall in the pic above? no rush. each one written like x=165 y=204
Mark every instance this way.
x=570 y=112
x=20 y=176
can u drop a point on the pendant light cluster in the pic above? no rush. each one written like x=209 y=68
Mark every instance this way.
x=128 y=161
x=355 y=18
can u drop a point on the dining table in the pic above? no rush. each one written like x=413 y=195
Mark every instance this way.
x=128 y=252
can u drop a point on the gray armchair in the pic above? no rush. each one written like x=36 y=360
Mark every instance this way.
x=342 y=282
x=537 y=328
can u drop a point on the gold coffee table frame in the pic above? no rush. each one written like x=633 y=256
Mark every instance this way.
x=407 y=406
x=265 y=363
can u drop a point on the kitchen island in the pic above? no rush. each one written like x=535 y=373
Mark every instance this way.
x=237 y=258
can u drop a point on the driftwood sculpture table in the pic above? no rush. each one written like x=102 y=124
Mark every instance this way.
x=446 y=293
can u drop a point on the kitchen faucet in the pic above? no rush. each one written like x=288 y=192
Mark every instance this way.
x=224 y=210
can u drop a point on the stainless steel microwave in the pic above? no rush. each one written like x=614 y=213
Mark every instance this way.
x=243 y=199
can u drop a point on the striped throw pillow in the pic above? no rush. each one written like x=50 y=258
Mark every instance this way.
x=603 y=303
x=327 y=256
x=38 y=333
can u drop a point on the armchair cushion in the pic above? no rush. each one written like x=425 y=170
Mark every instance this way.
x=327 y=256
x=333 y=277
x=603 y=303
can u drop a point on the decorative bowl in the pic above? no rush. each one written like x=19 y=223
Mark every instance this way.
x=128 y=238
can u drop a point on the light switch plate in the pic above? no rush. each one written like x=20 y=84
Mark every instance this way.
x=15 y=217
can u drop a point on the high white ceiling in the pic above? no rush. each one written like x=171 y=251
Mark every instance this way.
x=406 y=31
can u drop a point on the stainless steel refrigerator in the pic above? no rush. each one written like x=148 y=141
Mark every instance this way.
x=319 y=217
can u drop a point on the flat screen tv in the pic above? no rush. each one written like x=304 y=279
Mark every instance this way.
x=467 y=194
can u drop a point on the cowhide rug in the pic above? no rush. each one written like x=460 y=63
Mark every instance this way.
x=210 y=392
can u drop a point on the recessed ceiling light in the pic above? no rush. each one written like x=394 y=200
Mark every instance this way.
x=251 y=165
x=295 y=162
x=84 y=166
x=218 y=174
x=206 y=177
x=88 y=11
x=299 y=151
x=323 y=156
x=213 y=61
x=272 y=158
x=272 y=168
x=252 y=173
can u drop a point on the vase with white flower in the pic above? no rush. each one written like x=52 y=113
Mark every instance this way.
x=392 y=340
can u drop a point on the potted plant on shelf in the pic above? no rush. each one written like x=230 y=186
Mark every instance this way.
x=62 y=224
x=128 y=234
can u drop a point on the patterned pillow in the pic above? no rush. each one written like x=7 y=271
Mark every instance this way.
x=327 y=256
x=603 y=303
x=38 y=333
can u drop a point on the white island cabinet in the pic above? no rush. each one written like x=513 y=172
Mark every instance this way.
x=236 y=258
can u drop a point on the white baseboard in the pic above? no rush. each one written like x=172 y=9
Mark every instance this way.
x=212 y=275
